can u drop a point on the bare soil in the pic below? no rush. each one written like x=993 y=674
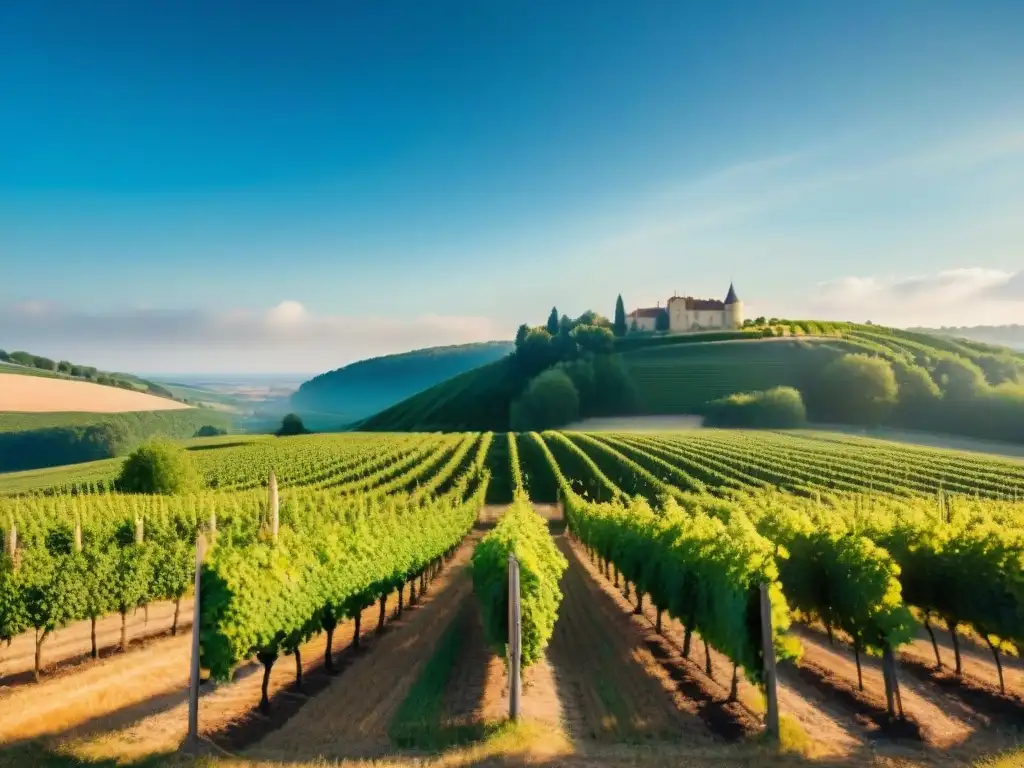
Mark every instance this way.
x=477 y=691
x=816 y=714
x=134 y=704
x=68 y=648
x=351 y=717
x=612 y=685
x=36 y=394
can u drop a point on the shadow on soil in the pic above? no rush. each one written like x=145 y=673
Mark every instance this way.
x=70 y=664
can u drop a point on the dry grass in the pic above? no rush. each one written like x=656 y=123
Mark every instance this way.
x=32 y=394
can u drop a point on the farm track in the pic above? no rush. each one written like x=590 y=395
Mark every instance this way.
x=67 y=649
x=929 y=716
x=351 y=716
x=612 y=685
x=150 y=715
x=978 y=666
x=477 y=691
x=816 y=713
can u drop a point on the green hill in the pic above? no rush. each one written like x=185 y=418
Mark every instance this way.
x=360 y=389
x=947 y=385
x=29 y=364
x=36 y=440
x=998 y=335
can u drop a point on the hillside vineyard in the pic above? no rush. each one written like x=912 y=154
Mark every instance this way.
x=870 y=540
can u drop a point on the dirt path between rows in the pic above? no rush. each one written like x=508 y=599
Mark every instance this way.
x=612 y=686
x=923 y=704
x=135 y=704
x=477 y=690
x=978 y=665
x=351 y=717
x=819 y=717
x=65 y=649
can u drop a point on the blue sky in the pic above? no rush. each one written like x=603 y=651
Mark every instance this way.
x=190 y=186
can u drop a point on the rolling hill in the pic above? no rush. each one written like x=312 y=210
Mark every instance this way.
x=28 y=364
x=974 y=389
x=360 y=389
x=1000 y=335
x=47 y=420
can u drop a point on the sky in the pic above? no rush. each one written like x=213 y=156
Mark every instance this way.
x=255 y=186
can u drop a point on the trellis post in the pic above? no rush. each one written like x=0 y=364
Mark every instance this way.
x=193 y=688
x=771 y=717
x=272 y=501
x=514 y=638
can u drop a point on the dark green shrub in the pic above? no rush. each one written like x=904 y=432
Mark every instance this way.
x=550 y=400
x=778 y=408
x=158 y=466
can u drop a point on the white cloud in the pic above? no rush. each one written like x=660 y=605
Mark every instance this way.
x=964 y=296
x=287 y=337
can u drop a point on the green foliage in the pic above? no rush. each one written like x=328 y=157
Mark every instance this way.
x=843 y=579
x=291 y=424
x=856 y=389
x=595 y=339
x=35 y=440
x=13 y=614
x=553 y=325
x=521 y=532
x=619 y=325
x=258 y=594
x=550 y=400
x=208 y=430
x=361 y=389
x=521 y=333
x=778 y=408
x=158 y=466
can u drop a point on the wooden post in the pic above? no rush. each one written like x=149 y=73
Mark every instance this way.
x=78 y=534
x=139 y=530
x=193 y=689
x=11 y=543
x=273 y=505
x=771 y=717
x=514 y=638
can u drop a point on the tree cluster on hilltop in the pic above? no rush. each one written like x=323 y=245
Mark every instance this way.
x=84 y=372
x=568 y=371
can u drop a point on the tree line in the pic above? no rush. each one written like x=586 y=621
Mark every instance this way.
x=84 y=372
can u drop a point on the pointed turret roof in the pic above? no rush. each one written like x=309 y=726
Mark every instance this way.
x=731 y=297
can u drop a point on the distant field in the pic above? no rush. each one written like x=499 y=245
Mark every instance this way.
x=32 y=394
x=24 y=370
x=34 y=440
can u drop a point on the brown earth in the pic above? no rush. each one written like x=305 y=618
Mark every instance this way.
x=66 y=649
x=36 y=394
x=815 y=714
x=150 y=714
x=820 y=694
x=477 y=691
x=612 y=685
x=351 y=716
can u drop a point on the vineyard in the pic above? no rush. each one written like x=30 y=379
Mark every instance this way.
x=893 y=576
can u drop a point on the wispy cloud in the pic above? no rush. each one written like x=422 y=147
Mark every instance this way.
x=966 y=296
x=286 y=337
x=724 y=198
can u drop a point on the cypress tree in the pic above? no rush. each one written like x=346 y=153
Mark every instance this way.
x=552 y=325
x=619 y=327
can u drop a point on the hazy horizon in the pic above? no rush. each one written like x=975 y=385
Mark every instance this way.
x=217 y=189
